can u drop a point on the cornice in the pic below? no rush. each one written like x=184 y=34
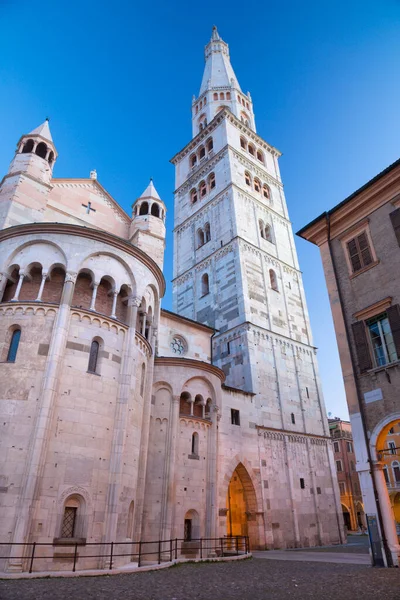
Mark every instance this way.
x=28 y=176
x=189 y=363
x=175 y=317
x=203 y=264
x=86 y=232
x=298 y=436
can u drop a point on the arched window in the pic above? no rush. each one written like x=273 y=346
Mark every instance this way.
x=252 y=150
x=201 y=127
x=268 y=233
x=396 y=471
x=228 y=95
x=222 y=96
x=273 y=280
x=257 y=185
x=73 y=519
x=260 y=156
x=202 y=152
x=93 y=356
x=155 y=210
x=41 y=150
x=205 y=285
x=142 y=379
x=202 y=189
x=200 y=238
x=195 y=443
x=210 y=144
x=144 y=209
x=51 y=158
x=193 y=196
x=261 y=227
x=185 y=403
x=211 y=181
x=247 y=105
x=205 y=100
x=28 y=147
x=207 y=233
x=197 y=108
x=243 y=143
x=266 y=191
x=13 y=347
x=247 y=178
x=238 y=98
x=215 y=96
x=193 y=160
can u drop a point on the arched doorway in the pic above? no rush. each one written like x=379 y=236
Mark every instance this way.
x=346 y=517
x=241 y=504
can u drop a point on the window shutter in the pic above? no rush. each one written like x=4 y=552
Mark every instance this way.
x=395 y=217
x=362 y=348
x=366 y=255
x=353 y=254
x=393 y=313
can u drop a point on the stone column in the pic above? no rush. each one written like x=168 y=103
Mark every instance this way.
x=143 y=332
x=167 y=511
x=114 y=306
x=19 y=285
x=212 y=475
x=3 y=283
x=191 y=402
x=39 y=297
x=94 y=294
x=125 y=389
x=386 y=512
x=40 y=436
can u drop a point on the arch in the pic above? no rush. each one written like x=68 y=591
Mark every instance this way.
x=260 y=156
x=207 y=233
x=247 y=178
x=209 y=144
x=261 y=227
x=379 y=434
x=346 y=516
x=31 y=283
x=191 y=526
x=73 y=522
x=198 y=406
x=193 y=160
x=93 y=363
x=121 y=309
x=222 y=107
x=221 y=96
x=202 y=189
x=215 y=96
x=396 y=471
x=273 y=280
x=38 y=250
x=14 y=334
x=41 y=150
x=28 y=147
x=207 y=411
x=211 y=181
x=184 y=404
x=200 y=238
x=53 y=289
x=144 y=208
x=242 y=505
x=257 y=185
x=205 y=284
x=193 y=195
x=201 y=152
x=268 y=232
x=11 y=285
x=243 y=143
x=155 y=210
x=51 y=158
x=228 y=95
x=83 y=289
x=195 y=444
x=266 y=191
x=251 y=149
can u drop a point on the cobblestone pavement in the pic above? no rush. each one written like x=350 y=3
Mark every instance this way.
x=356 y=544
x=252 y=579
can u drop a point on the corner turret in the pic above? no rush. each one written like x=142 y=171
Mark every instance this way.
x=147 y=230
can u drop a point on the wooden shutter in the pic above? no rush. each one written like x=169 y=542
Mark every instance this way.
x=395 y=217
x=393 y=313
x=361 y=345
x=366 y=256
x=353 y=254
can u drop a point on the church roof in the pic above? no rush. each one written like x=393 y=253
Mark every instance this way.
x=43 y=130
x=150 y=192
x=218 y=71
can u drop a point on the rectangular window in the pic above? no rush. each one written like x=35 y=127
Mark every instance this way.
x=339 y=468
x=381 y=337
x=336 y=446
x=302 y=484
x=349 y=447
x=359 y=252
x=342 y=487
x=235 y=416
x=391 y=431
x=392 y=447
x=386 y=475
x=228 y=347
x=68 y=524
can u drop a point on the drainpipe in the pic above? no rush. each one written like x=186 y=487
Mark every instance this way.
x=388 y=554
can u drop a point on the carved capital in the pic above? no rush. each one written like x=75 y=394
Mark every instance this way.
x=135 y=301
x=70 y=277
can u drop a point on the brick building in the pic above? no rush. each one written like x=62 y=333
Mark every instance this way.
x=359 y=242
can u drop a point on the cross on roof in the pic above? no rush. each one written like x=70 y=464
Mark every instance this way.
x=88 y=207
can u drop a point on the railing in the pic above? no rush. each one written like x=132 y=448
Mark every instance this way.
x=149 y=553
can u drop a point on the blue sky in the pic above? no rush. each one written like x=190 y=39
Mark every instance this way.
x=117 y=78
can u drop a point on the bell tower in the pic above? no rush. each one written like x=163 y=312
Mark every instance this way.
x=147 y=230
x=24 y=190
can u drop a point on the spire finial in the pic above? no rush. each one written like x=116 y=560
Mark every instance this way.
x=215 y=34
x=47 y=119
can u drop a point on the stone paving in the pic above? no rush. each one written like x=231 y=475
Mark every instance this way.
x=252 y=579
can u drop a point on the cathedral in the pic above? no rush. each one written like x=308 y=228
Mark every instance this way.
x=124 y=421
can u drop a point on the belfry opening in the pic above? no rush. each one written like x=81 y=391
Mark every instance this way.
x=241 y=504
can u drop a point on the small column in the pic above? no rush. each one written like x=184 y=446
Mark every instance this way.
x=94 y=294
x=387 y=513
x=191 y=402
x=203 y=408
x=143 y=332
x=114 y=305
x=150 y=330
x=44 y=277
x=18 y=290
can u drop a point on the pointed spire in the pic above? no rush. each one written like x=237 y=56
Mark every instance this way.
x=43 y=130
x=150 y=191
x=218 y=72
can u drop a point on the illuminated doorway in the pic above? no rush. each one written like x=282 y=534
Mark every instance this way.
x=241 y=504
